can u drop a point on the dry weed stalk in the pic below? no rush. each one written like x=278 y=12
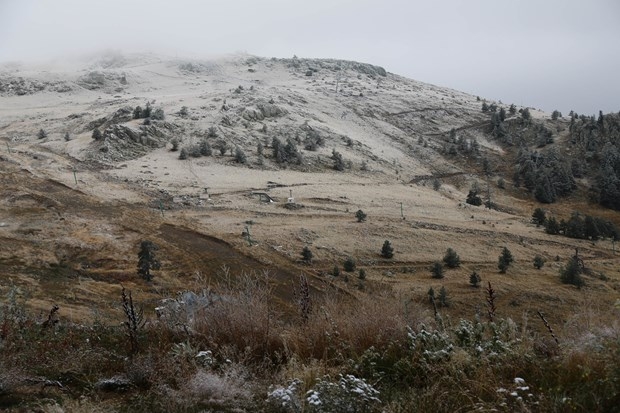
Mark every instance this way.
x=302 y=298
x=135 y=320
x=491 y=302
x=52 y=317
x=542 y=317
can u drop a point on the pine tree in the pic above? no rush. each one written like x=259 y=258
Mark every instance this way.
x=474 y=279
x=451 y=259
x=539 y=217
x=387 y=251
x=539 y=262
x=306 y=255
x=147 y=260
x=360 y=215
x=240 y=155
x=443 y=297
x=67 y=137
x=437 y=270
x=504 y=261
x=571 y=274
x=97 y=135
x=183 y=154
x=42 y=134
x=349 y=264
x=338 y=160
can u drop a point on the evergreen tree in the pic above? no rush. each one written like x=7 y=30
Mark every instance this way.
x=512 y=109
x=240 y=155
x=443 y=297
x=473 y=198
x=306 y=255
x=451 y=258
x=137 y=112
x=42 y=134
x=437 y=270
x=212 y=132
x=338 y=160
x=571 y=274
x=539 y=217
x=349 y=264
x=97 y=135
x=474 y=279
x=362 y=274
x=147 y=260
x=504 y=261
x=183 y=154
x=67 y=137
x=387 y=251
x=360 y=215
x=552 y=227
x=205 y=148
x=539 y=262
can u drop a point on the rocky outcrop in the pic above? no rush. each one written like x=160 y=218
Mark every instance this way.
x=19 y=86
x=262 y=110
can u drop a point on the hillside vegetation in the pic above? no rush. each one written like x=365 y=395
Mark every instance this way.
x=288 y=235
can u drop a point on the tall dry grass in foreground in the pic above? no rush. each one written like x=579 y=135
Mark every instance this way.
x=236 y=351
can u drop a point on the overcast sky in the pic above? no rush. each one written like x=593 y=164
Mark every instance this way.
x=549 y=54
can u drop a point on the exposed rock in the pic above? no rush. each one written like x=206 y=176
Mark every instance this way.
x=113 y=384
x=107 y=81
x=121 y=142
x=261 y=111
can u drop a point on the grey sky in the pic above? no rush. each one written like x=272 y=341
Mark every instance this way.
x=549 y=54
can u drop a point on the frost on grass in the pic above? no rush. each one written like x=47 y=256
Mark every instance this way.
x=347 y=395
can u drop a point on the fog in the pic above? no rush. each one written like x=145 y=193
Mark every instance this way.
x=553 y=54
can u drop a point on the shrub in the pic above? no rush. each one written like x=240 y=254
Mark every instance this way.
x=349 y=264
x=336 y=271
x=362 y=274
x=306 y=255
x=387 y=251
x=158 y=114
x=97 y=135
x=571 y=274
x=175 y=145
x=360 y=215
x=436 y=184
x=137 y=112
x=349 y=395
x=205 y=148
x=338 y=160
x=451 y=259
x=437 y=270
x=67 y=137
x=539 y=262
x=504 y=260
x=183 y=154
x=240 y=155
x=473 y=198
x=539 y=217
